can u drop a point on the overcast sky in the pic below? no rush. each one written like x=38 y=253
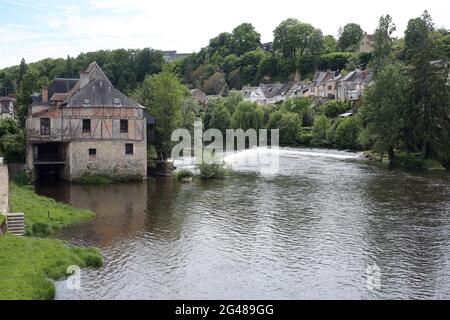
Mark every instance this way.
x=54 y=28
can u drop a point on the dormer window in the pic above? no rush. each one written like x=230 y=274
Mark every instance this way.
x=117 y=102
x=86 y=102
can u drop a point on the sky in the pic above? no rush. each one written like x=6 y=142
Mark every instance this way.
x=36 y=30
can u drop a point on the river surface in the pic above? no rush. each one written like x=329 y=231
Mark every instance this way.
x=327 y=225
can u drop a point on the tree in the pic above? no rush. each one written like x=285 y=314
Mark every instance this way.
x=23 y=67
x=163 y=96
x=216 y=84
x=383 y=48
x=220 y=119
x=189 y=113
x=245 y=38
x=294 y=38
x=350 y=36
x=320 y=130
x=12 y=141
x=427 y=124
x=69 y=72
x=385 y=110
x=330 y=44
x=232 y=100
x=346 y=133
x=248 y=115
x=289 y=124
x=31 y=82
x=333 y=108
x=301 y=106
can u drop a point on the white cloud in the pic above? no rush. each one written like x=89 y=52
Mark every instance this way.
x=186 y=26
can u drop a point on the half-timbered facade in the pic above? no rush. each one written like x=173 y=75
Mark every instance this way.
x=85 y=126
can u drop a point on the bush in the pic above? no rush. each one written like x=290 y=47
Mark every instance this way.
x=344 y=134
x=183 y=174
x=12 y=147
x=152 y=156
x=305 y=136
x=288 y=123
x=410 y=161
x=41 y=229
x=333 y=108
x=320 y=131
x=211 y=171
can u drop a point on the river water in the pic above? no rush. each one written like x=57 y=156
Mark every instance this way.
x=327 y=225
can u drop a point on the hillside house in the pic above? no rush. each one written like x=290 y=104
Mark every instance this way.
x=7 y=107
x=272 y=93
x=324 y=84
x=366 y=43
x=351 y=86
x=85 y=126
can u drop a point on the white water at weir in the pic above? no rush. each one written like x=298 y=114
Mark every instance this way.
x=258 y=159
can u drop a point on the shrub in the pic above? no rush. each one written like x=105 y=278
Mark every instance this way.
x=211 y=171
x=333 y=108
x=345 y=133
x=152 y=156
x=305 y=136
x=41 y=229
x=320 y=130
x=410 y=161
x=288 y=123
x=183 y=174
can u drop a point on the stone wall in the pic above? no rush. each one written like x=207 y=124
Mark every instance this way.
x=110 y=160
x=4 y=189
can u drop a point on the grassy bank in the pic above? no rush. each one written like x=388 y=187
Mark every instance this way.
x=28 y=264
x=43 y=215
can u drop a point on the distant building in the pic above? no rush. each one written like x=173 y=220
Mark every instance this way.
x=273 y=93
x=172 y=55
x=351 y=86
x=367 y=42
x=7 y=107
x=85 y=126
x=324 y=84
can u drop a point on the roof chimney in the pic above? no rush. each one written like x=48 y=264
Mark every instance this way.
x=84 y=79
x=44 y=96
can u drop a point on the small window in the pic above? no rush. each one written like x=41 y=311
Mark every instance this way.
x=92 y=154
x=123 y=126
x=86 y=125
x=330 y=87
x=117 y=102
x=45 y=126
x=129 y=148
x=86 y=101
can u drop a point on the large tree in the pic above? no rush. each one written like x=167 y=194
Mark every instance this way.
x=428 y=123
x=383 y=48
x=163 y=95
x=245 y=38
x=350 y=36
x=294 y=39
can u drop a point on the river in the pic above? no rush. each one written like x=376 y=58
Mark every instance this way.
x=327 y=225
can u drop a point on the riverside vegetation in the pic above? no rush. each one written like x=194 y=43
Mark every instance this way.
x=28 y=264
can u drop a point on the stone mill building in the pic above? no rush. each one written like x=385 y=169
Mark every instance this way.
x=85 y=126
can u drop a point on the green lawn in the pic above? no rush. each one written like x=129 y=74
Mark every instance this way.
x=28 y=264
x=42 y=214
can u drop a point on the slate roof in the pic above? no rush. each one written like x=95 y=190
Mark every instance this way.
x=98 y=91
x=61 y=85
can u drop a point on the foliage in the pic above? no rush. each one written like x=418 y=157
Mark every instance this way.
x=320 y=130
x=248 y=115
x=333 y=108
x=152 y=156
x=44 y=210
x=335 y=60
x=383 y=48
x=12 y=147
x=97 y=180
x=28 y=264
x=183 y=174
x=305 y=136
x=345 y=133
x=350 y=36
x=211 y=171
x=220 y=119
x=288 y=123
x=163 y=96
x=21 y=178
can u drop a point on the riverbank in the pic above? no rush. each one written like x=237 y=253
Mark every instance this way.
x=29 y=264
x=43 y=215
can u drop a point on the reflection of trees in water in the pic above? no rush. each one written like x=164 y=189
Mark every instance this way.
x=408 y=228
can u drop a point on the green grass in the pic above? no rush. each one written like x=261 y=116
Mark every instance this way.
x=44 y=215
x=94 y=180
x=28 y=264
